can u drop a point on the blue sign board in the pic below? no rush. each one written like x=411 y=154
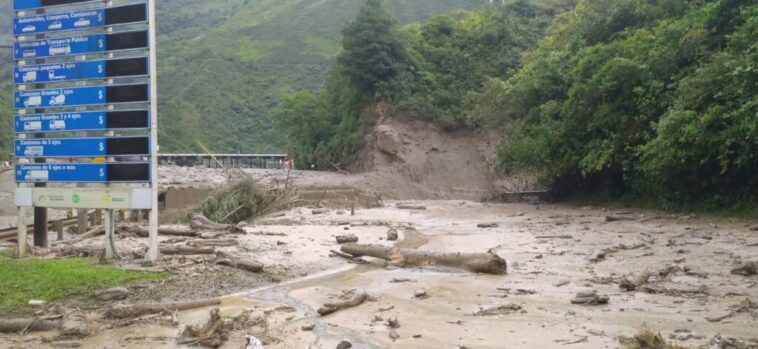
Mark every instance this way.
x=59 y=97
x=57 y=72
x=80 y=96
x=32 y=4
x=81 y=147
x=82 y=173
x=71 y=173
x=84 y=121
x=60 y=147
x=56 y=22
x=66 y=46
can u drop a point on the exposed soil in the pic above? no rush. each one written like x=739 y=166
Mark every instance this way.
x=548 y=248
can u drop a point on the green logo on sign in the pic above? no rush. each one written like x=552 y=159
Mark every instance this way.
x=75 y=198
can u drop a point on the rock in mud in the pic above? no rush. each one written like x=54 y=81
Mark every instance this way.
x=631 y=284
x=308 y=327
x=420 y=293
x=349 y=238
x=392 y=235
x=345 y=344
x=590 y=298
x=746 y=269
x=319 y=211
x=487 y=225
x=112 y=294
x=387 y=140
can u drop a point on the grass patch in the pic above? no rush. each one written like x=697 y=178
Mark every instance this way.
x=52 y=279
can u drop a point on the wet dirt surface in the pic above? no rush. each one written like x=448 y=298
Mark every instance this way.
x=548 y=249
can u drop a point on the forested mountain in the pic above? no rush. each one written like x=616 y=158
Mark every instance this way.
x=224 y=63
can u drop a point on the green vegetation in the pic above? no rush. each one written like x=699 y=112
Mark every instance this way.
x=223 y=64
x=243 y=199
x=53 y=279
x=434 y=70
x=654 y=101
x=649 y=101
x=220 y=76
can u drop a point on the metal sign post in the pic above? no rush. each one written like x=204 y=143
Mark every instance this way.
x=153 y=253
x=97 y=76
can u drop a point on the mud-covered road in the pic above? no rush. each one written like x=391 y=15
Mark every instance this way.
x=549 y=249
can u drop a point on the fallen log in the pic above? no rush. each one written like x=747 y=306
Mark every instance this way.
x=162 y=230
x=79 y=251
x=348 y=300
x=186 y=250
x=135 y=310
x=245 y=264
x=30 y=324
x=348 y=257
x=95 y=231
x=747 y=269
x=618 y=218
x=410 y=207
x=200 y=222
x=213 y=242
x=489 y=262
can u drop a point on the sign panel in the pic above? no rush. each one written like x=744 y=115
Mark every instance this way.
x=78 y=20
x=82 y=173
x=82 y=147
x=82 y=198
x=79 y=45
x=82 y=121
x=80 y=96
x=54 y=22
x=32 y=4
x=75 y=71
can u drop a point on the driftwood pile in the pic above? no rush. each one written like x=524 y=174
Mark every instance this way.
x=203 y=234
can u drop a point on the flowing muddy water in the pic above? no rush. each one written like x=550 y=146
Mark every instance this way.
x=548 y=249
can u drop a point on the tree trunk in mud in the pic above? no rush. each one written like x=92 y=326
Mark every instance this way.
x=127 y=311
x=185 y=250
x=28 y=324
x=98 y=230
x=245 y=264
x=489 y=262
x=201 y=222
x=142 y=231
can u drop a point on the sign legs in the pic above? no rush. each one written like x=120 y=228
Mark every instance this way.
x=110 y=230
x=22 y=233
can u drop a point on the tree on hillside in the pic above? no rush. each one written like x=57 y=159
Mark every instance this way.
x=373 y=55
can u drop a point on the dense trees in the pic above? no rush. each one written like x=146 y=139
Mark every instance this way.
x=434 y=70
x=373 y=56
x=656 y=100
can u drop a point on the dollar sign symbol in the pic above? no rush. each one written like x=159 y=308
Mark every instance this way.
x=102 y=172
x=101 y=147
x=100 y=94
x=100 y=68
x=100 y=119
x=100 y=43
